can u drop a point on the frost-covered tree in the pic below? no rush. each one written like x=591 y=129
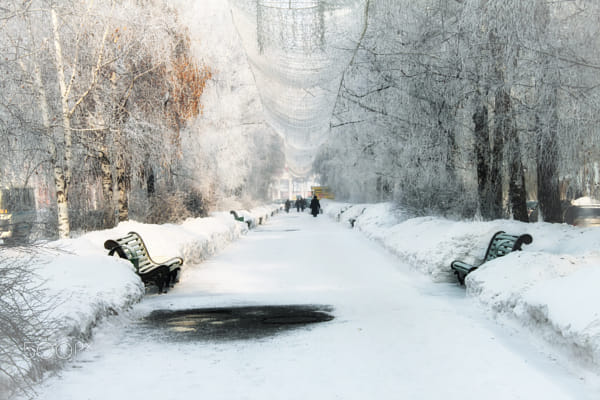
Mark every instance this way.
x=565 y=91
x=468 y=99
x=402 y=93
x=102 y=89
x=230 y=154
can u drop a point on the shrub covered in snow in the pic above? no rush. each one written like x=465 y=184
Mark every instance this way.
x=24 y=320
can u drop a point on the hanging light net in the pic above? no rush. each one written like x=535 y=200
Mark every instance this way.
x=298 y=50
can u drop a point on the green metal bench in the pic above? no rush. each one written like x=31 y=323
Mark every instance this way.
x=238 y=218
x=501 y=244
x=132 y=247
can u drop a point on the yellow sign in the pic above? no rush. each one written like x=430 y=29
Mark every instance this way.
x=322 y=192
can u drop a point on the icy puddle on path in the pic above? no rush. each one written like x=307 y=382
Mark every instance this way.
x=233 y=323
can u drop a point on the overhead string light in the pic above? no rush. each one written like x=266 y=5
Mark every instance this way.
x=298 y=50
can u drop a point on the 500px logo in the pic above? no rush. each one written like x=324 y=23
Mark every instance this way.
x=47 y=350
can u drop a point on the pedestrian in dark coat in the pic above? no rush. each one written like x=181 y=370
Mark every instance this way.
x=288 y=204
x=315 y=206
x=298 y=203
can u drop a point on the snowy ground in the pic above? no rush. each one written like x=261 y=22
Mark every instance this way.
x=83 y=285
x=551 y=287
x=396 y=332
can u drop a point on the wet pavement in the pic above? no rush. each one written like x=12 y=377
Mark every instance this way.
x=232 y=323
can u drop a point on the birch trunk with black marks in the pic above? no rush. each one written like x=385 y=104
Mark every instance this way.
x=62 y=171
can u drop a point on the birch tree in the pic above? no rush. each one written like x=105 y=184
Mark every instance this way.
x=75 y=80
x=112 y=86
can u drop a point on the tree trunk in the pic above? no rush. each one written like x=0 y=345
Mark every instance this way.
x=482 y=153
x=506 y=130
x=547 y=170
x=502 y=105
x=123 y=187
x=547 y=152
x=150 y=183
x=517 y=193
x=59 y=173
x=108 y=217
x=62 y=172
x=449 y=136
x=546 y=121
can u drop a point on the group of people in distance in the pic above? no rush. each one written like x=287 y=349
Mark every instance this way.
x=315 y=206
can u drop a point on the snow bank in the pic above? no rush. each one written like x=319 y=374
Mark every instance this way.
x=552 y=286
x=258 y=215
x=86 y=285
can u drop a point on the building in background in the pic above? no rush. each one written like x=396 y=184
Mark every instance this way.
x=288 y=186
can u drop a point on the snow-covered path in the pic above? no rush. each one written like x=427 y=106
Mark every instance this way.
x=395 y=335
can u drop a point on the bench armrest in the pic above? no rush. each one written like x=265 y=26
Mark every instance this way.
x=173 y=262
x=461 y=270
x=462 y=266
x=115 y=247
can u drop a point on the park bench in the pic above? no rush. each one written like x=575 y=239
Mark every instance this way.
x=240 y=218
x=131 y=247
x=353 y=220
x=501 y=244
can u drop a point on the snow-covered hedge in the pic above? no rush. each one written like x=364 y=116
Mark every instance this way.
x=94 y=285
x=259 y=215
x=552 y=286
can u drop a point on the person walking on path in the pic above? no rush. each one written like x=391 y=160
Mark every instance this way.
x=288 y=204
x=315 y=206
x=299 y=203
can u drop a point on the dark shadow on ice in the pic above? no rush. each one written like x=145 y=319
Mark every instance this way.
x=233 y=323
